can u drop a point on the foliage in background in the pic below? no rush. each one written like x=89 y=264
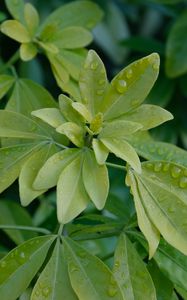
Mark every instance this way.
x=74 y=143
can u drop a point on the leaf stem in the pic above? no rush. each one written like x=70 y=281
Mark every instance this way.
x=60 y=229
x=116 y=166
x=27 y=228
x=10 y=62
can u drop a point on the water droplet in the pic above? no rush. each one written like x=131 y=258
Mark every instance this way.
x=101 y=81
x=175 y=172
x=166 y=167
x=121 y=86
x=135 y=102
x=46 y=292
x=112 y=291
x=183 y=182
x=3 y=264
x=100 y=92
x=94 y=65
x=117 y=264
x=37 y=293
x=157 y=167
x=171 y=209
x=22 y=255
x=129 y=73
x=149 y=165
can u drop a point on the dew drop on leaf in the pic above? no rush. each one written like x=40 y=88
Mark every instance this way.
x=46 y=292
x=121 y=86
x=112 y=291
x=175 y=172
x=129 y=73
x=94 y=65
x=183 y=182
x=157 y=167
x=165 y=167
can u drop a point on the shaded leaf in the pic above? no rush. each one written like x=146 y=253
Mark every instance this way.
x=90 y=277
x=21 y=264
x=12 y=213
x=6 y=82
x=54 y=283
x=73 y=132
x=28 y=51
x=31 y=18
x=131 y=273
x=16 y=9
x=100 y=151
x=51 y=116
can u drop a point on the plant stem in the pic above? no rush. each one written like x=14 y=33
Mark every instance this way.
x=10 y=62
x=28 y=228
x=116 y=166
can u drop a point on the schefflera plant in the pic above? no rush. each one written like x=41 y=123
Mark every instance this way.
x=99 y=124
x=62 y=36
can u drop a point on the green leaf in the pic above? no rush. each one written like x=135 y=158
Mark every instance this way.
x=69 y=112
x=162 y=190
x=48 y=47
x=59 y=71
x=73 y=132
x=83 y=111
x=181 y=292
x=72 y=198
x=176 y=47
x=28 y=51
x=11 y=213
x=56 y=164
x=11 y=160
x=28 y=96
x=131 y=272
x=73 y=61
x=89 y=14
x=71 y=38
x=145 y=224
x=6 y=82
x=54 y=283
x=16 y=31
x=172 y=263
x=143 y=44
x=100 y=151
x=123 y=150
x=90 y=277
x=29 y=172
x=16 y=9
x=119 y=129
x=19 y=267
x=31 y=18
x=16 y=125
x=149 y=116
x=164 y=287
x=153 y=150
x=95 y=178
x=51 y=116
x=93 y=82
x=130 y=87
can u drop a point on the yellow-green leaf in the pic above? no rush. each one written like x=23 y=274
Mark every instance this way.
x=100 y=151
x=162 y=190
x=93 y=82
x=148 y=116
x=82 y=110
x=56 y=164
x=130 y=87
x=16 y=9
x=73 y=132
x=51 y=116
x=131 y=272
x=16 y=31
x=31 y=18
x=123 y=150
x=119 y=129
x=68 y=111
x=28 y=51
x=72 y=197
x=95 y=178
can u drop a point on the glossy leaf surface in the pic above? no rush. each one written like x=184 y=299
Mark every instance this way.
x=16 y=31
